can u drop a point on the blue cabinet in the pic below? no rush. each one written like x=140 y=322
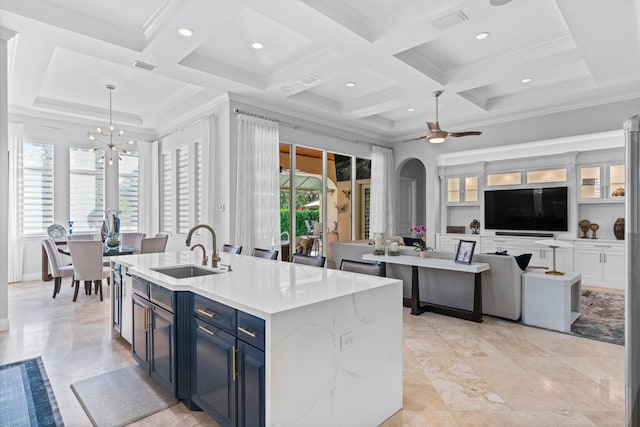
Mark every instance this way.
x=228 y=364
x=214 y=386
x=154 y=345
x=251 y=386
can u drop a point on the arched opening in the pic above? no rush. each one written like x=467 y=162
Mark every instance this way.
x=411 y=205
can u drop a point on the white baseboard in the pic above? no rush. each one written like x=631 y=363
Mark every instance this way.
x=31 y=276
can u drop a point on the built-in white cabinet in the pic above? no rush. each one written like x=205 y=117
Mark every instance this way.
x=542 y=256
x=449 y=242
x=601 y=182
x=501 y=244
x=601 y=263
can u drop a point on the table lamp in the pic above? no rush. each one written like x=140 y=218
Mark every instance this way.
x=554 y=244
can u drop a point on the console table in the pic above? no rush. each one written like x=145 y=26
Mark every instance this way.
x=552 y=302
x=417 y=307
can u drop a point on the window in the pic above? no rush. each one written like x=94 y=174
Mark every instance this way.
x=37 y=163
x=181 y=181
x=86 y=189
x=166 y=188
x=128 y=189
x=182 y=189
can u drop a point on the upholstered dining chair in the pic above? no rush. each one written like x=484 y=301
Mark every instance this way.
x=152 y=245
x=316 y=261
x=233 y=249
x=83 y=237
x=86 y=257
x=265 y=253
x=58 y=270
x=132 y=239
x=361 y=267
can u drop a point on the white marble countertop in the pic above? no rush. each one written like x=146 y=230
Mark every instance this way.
x=255 y=285
x=437 y=263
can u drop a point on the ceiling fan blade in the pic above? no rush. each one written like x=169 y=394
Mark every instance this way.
x=469 y=133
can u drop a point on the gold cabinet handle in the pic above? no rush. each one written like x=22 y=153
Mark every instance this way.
x=150 y=321
x=202 y=328
x=248 y=332
x=206 y=313
x=233 y=362
x=146 y=319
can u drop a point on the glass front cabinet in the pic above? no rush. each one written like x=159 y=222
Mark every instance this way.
x=601 y=182
x=462 y=189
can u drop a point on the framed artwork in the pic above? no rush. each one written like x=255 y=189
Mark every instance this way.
x=465 y=251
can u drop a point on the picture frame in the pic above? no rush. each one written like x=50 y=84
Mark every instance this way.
x=465 y=250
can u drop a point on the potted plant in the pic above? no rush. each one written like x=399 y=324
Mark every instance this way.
x=421 y=245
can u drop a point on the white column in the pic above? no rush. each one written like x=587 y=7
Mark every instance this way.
x=632 y=294
x=5 y=36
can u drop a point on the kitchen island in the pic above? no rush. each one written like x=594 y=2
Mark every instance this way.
x=332 y=340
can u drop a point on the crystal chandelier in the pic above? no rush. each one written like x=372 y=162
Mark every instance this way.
x=113 y=138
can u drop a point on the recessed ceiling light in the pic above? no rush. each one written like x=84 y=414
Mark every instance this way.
x=411 y=109
x=257 y=46
x=527 y=80
x=350 y=84
x=482 y=36
x=186 y=32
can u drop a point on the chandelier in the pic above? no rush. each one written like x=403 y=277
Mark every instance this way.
x=112 y=138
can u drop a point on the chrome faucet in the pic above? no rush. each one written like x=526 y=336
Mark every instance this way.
x=214 y=256
x=204 y=252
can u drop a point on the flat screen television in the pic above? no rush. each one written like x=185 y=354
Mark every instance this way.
x=540 y=209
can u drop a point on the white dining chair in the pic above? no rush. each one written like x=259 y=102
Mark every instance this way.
x=83 y=237
x=150 y=245
x=86 y=257
x=58 y=269
x=132 y=239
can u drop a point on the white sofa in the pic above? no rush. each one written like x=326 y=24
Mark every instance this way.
x=501 y=285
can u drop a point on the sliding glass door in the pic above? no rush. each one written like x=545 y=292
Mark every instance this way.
x=322 y=200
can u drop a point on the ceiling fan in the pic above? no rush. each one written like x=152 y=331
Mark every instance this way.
x=437 y=135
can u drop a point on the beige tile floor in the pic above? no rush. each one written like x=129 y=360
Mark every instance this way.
x=456 y=373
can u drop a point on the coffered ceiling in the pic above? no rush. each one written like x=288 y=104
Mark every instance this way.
x=397 y=52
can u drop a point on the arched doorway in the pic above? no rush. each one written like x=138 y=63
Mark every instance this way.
x=411 y=196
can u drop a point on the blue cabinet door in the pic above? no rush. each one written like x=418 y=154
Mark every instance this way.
x=214 y=372
x=162 y=363
x=251 y=387
x=140 y=336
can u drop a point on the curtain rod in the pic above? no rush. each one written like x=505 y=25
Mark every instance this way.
x=208 y=116
x=302 y=127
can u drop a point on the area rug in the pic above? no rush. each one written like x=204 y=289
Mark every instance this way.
x=602 y=317
x=120 y=397
x=26 y=397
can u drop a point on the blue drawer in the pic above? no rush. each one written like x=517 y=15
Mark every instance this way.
x=162 y=297
x=214 y=313
x=251 y=330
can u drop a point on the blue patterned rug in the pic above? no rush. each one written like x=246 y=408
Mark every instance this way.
x=602 y=317
x=26 y=397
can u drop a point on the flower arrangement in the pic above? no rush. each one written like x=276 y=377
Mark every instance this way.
x=421 y=231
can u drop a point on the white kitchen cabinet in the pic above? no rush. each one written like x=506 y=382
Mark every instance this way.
x=602 y=263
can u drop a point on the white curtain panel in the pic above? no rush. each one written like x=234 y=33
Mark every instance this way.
x=149 y=188
x=207 y=128
x=258 y=186
x=382 y=192
x=16 y=220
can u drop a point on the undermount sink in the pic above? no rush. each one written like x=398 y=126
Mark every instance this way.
x=185 y=271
